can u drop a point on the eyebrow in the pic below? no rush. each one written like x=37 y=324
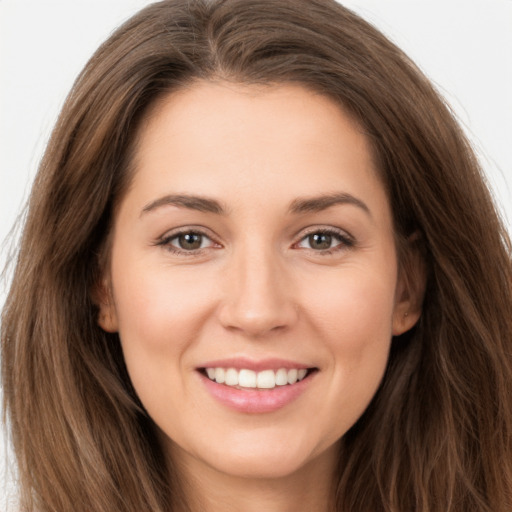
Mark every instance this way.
x=202 y=204
x=297 y=206
x=323 y=202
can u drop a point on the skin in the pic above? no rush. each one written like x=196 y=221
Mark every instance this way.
x=258 y=288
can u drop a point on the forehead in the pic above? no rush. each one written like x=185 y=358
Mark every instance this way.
x=256 y=143
x=204 y=108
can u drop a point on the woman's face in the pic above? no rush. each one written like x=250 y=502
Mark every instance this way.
x=255 y=245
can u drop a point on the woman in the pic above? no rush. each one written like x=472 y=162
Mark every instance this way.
x=258 y=257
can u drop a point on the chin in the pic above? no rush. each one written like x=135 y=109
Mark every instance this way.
x=266 y=458
x=260 y=468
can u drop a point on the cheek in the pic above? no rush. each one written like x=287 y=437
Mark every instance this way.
x=354 y=323
x=160 y=315
x=160 y=310
x=353 y=307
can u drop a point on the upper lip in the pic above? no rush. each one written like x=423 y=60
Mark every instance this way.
x=240 y=363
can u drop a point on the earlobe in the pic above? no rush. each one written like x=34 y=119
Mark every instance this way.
x=102 y=297
x=107 y=319
x=404 y=320
x=412 y=282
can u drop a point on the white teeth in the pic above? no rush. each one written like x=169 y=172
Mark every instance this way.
x=292 y=376
x=231 y=377
x=220 y=375
x=247 y=379
x=266 y=379
x=281 y=377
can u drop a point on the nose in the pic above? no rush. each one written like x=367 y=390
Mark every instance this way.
x=258 y=294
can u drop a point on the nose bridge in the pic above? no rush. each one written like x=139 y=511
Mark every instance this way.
x=257 y=297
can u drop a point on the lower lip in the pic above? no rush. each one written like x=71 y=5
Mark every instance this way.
x=256 y=401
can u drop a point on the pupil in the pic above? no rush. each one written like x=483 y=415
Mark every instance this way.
x=190 y=241
x=320 y=241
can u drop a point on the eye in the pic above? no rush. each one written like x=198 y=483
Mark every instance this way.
x=186 y=242
x=325 y=241
x=189 y=241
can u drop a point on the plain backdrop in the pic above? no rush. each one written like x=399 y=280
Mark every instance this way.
x=464 y=47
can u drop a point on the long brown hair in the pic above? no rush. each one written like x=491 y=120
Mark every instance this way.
x=437 y=435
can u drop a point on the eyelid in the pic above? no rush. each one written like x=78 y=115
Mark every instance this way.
x=347 y=241
x=165 y=240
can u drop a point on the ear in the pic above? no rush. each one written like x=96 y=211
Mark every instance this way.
x=102 y=297
x=411 y=285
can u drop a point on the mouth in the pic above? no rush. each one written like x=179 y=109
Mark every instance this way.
x=253 y=386
x=267 y=379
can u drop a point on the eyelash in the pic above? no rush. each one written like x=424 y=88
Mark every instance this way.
x=166 y=242
x=345 y=241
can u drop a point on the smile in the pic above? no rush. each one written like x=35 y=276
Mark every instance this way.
x=249 y=387
x=266 y=379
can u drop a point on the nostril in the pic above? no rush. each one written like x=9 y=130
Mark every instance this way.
x=255 y=323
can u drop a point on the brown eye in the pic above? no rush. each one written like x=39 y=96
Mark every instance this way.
x=326 y=241
x=320 y=241
x=189 y=241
